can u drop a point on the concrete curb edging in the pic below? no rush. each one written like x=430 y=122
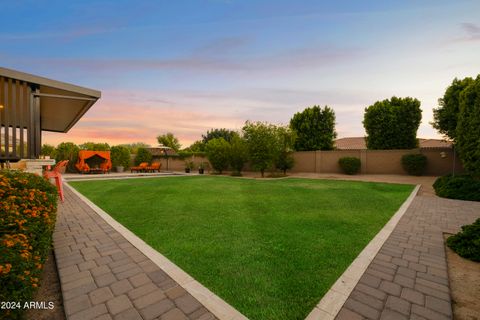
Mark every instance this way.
x=208 y=299
x=334 y=299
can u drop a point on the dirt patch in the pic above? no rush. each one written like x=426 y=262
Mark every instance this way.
x=464 y=278
x=49 y=291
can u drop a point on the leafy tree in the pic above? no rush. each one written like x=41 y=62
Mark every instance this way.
x=315 y=129
x=93 y=146
x=392 y=124
x=120 y=156
x=261 y=142
x=218 y=151
x=285 y=161
x=445 y=117
x=68 y=151
x=238 y=154
x=143 y=155
x=285 y=141
x=197 y=146
x=468 y=127
x=169 y=140
x=218 y=133
x=133 y=147
x=48 y=150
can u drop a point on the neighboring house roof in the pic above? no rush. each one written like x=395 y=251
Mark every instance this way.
x=351 y=143
x=434 y=143
x=358 y=143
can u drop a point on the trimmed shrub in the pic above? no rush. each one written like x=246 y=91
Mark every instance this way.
x=218 y=152
x=120 y=156
x=462 y=187
x=414 y=164
x=285 y=161
x=467 y=242
x=392 y=124
x=350 y=165
x=68 y=151
x=238 y=154
x=48 y=150
x=143 y=155
x=27 y=219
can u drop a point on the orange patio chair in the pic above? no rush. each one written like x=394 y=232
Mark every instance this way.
x=55 y=174
x=140 y=168
x=154 y=167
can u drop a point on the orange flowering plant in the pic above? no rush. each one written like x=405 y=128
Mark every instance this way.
x=28 y=205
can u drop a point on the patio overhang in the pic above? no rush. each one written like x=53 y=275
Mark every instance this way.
x=30 y=104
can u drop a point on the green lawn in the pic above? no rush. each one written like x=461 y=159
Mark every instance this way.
x=270 y=248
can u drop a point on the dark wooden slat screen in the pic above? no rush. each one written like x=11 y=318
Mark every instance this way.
x=17 y=123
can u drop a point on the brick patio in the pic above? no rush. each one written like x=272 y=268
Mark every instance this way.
x=408 y=278
x=103 y=276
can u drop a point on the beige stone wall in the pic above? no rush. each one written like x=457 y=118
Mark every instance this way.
x=385 y=161
x=175 y=164
x=440 y=161
x=304 y=161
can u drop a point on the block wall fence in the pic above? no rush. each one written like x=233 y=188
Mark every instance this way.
x=440 y=161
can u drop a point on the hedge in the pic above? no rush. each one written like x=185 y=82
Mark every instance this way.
x=27 y=219
x=467 y=242
x=462 y=187
x=350 y=165
x=414 y=164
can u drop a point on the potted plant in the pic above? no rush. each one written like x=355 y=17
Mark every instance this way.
x=201 y=167
x=189 y=165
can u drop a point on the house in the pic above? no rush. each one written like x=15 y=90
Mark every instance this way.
x=32 y=104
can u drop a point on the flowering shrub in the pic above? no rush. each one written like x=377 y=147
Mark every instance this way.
x=28 y=205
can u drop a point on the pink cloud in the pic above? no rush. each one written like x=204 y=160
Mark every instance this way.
x=123 y=121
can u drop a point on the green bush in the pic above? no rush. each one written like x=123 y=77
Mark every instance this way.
x=285 y=161
x=218 y=152
x=414 y=164
x=462 y=187
x=68 y=151
x=48 y=150
x=27 y=219
x=238 y=155
x=467 y=242
x=350 y=165
x=392 y=123
x=143 y=155
x=93 y=146
x=182 y=155
x=120 y=156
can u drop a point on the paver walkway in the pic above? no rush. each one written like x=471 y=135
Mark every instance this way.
x=103 y=276
x=408 y=278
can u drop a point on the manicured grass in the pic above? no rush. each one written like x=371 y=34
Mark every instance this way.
x=270 y=248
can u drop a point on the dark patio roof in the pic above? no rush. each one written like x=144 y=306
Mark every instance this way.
x=62 y=104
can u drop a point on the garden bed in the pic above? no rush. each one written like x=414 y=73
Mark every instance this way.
x=270 y=248
x=464 y=276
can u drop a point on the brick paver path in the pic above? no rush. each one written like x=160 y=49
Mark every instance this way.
x=104 y=277
x=408 y=278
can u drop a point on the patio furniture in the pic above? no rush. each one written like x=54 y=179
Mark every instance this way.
x=55 y=174
x=154 y=167
x=140 y=168
x=103 y=156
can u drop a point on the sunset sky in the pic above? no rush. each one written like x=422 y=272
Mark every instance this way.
x=189 y=66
